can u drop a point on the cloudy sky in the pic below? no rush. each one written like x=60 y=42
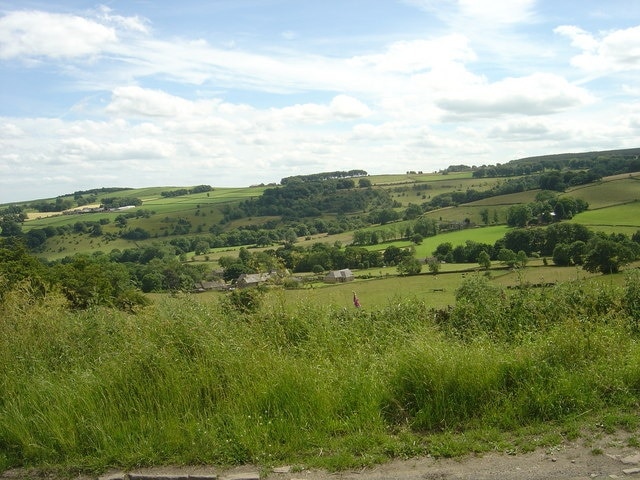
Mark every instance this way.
x=137 y=93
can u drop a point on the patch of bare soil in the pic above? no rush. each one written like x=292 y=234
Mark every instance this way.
x=607 y=457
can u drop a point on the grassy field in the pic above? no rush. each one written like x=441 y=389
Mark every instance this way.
x=381 y=287
x=201 y=211
x=623 y=218
x=487 y=235
x=314 y=382
x=610 y=191
x=442 y=365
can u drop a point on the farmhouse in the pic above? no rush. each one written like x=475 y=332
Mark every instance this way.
x=339 y=276
x=252 y=279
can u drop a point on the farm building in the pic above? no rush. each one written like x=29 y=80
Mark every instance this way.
x=206 y=286
x=252 y=279
x=339 y=276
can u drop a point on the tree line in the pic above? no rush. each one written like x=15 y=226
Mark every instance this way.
x=565 y=243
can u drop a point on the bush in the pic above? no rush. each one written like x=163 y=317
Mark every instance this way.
x=631 y=298
x=246 y=300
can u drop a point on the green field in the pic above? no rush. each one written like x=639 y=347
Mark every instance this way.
x=315 y=383
x=611 y=191
x=487 y=235
x=614 y=219
x=609 y=211
x=462 y=361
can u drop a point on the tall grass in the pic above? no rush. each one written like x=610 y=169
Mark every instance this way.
x=187 y=382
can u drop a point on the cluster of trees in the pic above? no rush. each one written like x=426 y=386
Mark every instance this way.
x=77 y=199
x=546 y=209
x=115 y=279
x=577 y=168
x=302 y=199
x=119 y=202
x=416 y=231
x=565 y=243
x=186 y=191
x=59 y=205
x=11 y=219
x=320 y=177
x=601 y=253
x=85 y=281
x=318 y=258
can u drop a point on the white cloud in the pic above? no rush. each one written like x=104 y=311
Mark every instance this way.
x=616 y=50
x=190 y=108
x=10 y=130
x=138 y=101
x=341 y=108
x=579 y=37
x=42 y=34
x=418 y=55
x=536 y=94
x=133 y=24
x=346 y=107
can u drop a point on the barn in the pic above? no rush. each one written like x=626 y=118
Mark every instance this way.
x=339 y=276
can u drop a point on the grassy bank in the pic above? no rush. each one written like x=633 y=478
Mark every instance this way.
x=188 y=382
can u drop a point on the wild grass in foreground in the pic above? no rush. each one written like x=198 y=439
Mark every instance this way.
x=191 y=383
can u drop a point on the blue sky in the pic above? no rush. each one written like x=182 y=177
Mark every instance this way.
x=240 y=92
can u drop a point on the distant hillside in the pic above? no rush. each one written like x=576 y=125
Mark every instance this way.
x=330 y=203
x=606 y=155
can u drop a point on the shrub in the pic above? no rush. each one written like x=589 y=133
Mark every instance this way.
x=631 y=298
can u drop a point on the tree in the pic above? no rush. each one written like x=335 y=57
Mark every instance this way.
x=364 y=183
x=577 y=250
x=605 y=256
x=561 y=255
x=392 y=255
x=17 y=265
x=507 y=257
x=434 y=265
x=484 y=260
x=152 y=282
x=426 y=227
x=522 y=259
x=234 y=270
x=484 y=215
x=9 y=227
x=519 y=239
x=518 y=216
x=412 y=211
x=443 y=250
x=409 y=266
x=201 y=247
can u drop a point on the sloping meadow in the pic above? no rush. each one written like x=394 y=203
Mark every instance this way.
x=190 y=383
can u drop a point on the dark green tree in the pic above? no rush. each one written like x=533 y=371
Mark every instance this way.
x=606 y=256
x=484 y=260
x=409 y=266
x=561 y=255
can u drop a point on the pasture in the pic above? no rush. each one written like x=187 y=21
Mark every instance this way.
x=623 y=218
x=425 y=249
x=615 y=190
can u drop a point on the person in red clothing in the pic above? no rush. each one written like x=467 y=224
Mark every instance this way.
x=356 y=301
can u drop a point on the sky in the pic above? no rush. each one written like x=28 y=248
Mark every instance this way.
x=233 y=93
